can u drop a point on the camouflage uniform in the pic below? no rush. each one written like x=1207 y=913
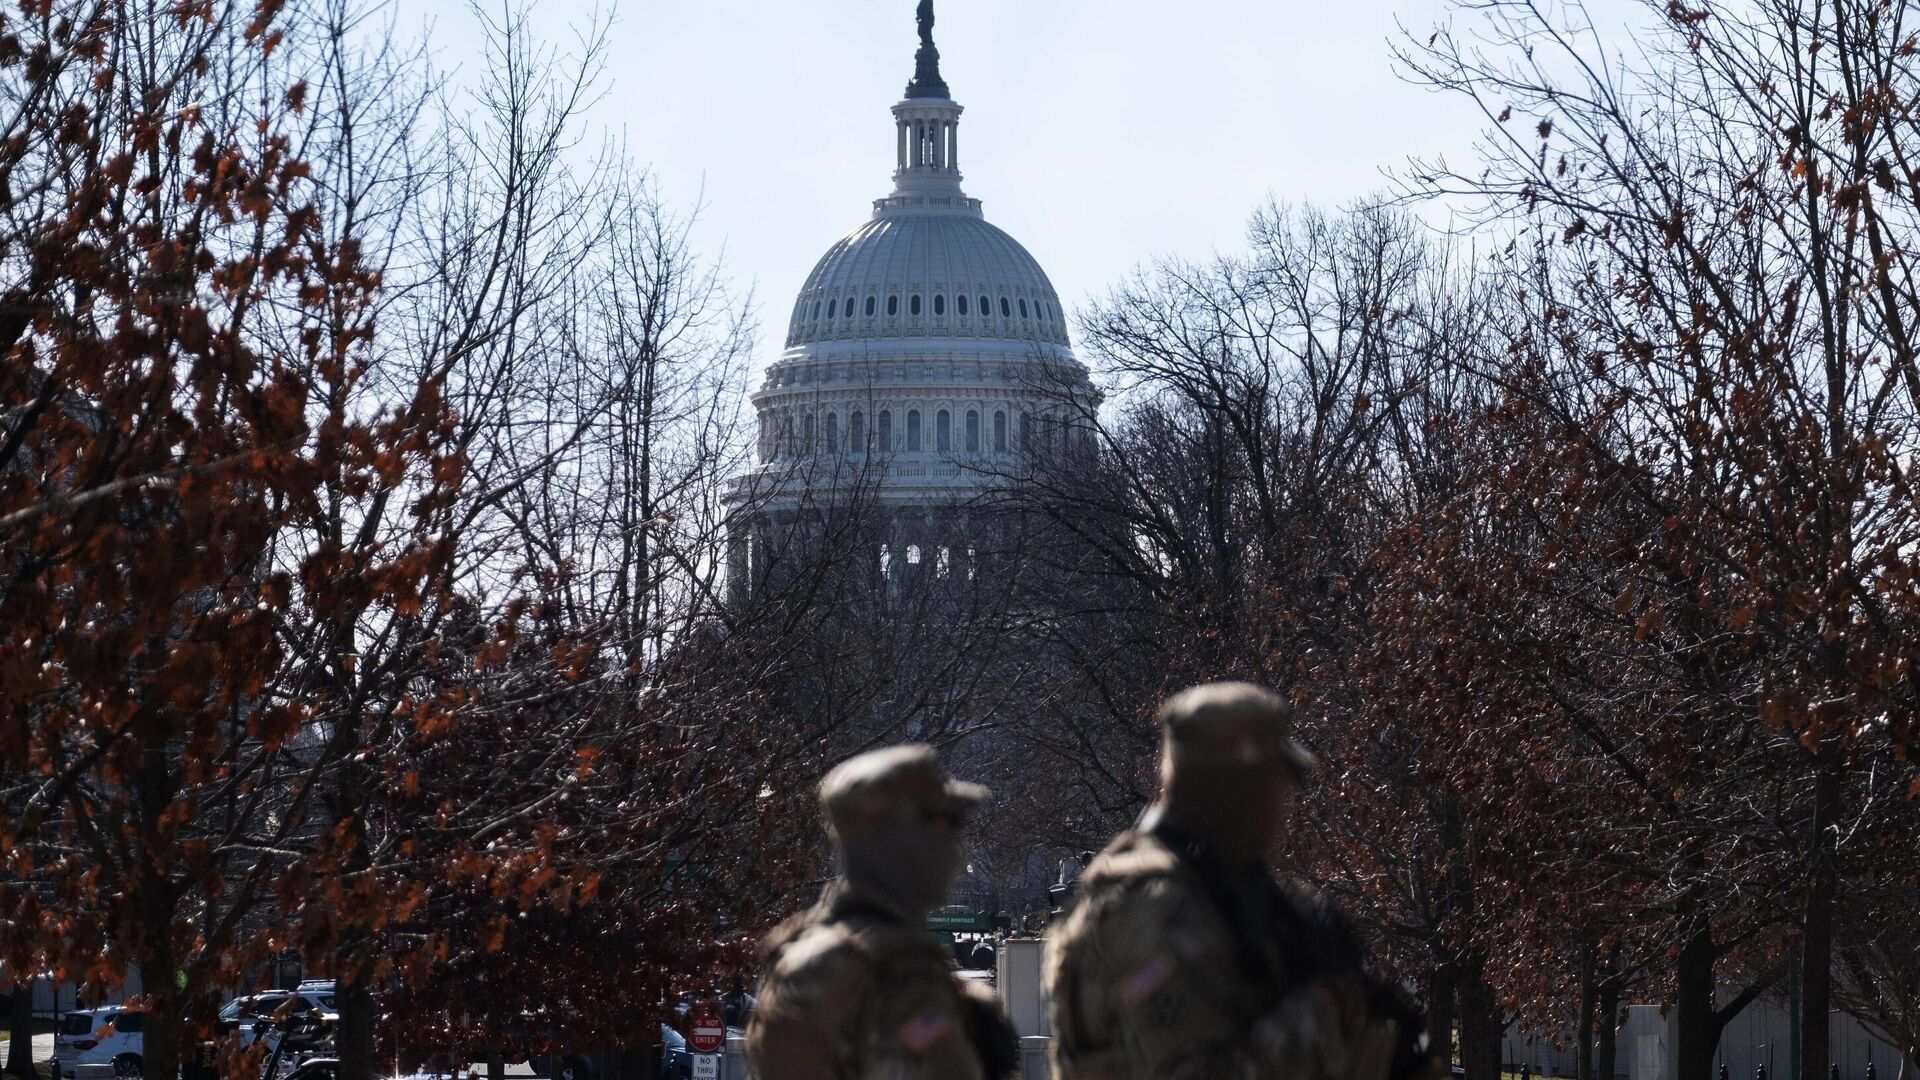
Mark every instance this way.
x=857 y=988
x=1177 y=963
x=1149 y=981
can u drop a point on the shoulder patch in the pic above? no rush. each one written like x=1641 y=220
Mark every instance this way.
x=925 y=1029
x=1147 y=980
x=1165 y=1011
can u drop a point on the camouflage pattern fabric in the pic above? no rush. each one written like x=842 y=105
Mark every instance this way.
x=855 y=991
x=1149 y=980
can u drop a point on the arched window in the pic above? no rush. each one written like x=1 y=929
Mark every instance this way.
x=806 y=446
x=913 y=429
x=833 y=433
x=816 y=309
x=999 y=431
x=1023 y=309
x=913 y=554
x=883 y=431
x=962 y=301
x=1026 y=432
x=973 y=431
x=944 y=565
x=913 y=304
x=943 y=431
x=857 y=431
x=870 y=302
x=1006 y=309
x=893 y=305
x=886 y=561
x=833 y=308
x=986 y=306
x=849 y=308
x=940 y=304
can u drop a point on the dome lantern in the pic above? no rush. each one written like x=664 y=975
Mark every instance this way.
x=929 y=148
x=927 y=127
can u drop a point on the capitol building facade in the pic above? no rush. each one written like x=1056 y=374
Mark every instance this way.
x=927 y=366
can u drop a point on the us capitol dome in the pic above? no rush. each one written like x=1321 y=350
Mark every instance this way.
x=927 y=361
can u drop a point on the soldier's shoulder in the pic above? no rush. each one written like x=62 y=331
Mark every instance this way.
x=838 y=954
x=816 y=957
x=1312 y=904
x=1135 y=892
x=1325 y=931
x=1133 y=860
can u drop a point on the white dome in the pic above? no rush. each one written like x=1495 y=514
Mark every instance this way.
x=927 y=351
x=934 y=272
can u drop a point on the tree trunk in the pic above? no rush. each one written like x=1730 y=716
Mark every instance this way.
x=1583 y=1064
x=1442 y=986
x=354 y=968
x=164 y=1023
x=347 y=805
x=633 y=1065
x=1607 y=1005
x=354 y=1040
x=1698 y=1033
x=496 y=1066
x=1816 y=932
x=1480 y=1026
x=20 y=1043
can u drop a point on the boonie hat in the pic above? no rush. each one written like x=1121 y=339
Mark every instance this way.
x=866 y=789
x=1232 y=724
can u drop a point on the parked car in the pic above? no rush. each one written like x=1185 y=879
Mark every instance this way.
x=676 y=1061
x=94 y=1043
x=316 y=1069
x=253 y=1016
x=293 y=1039
x=322 y=989
x=568 y=1066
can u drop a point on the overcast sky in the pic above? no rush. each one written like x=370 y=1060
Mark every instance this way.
x=1100 y=133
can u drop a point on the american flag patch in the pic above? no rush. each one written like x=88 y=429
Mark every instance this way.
x=924 y=1030
x=1148 y=979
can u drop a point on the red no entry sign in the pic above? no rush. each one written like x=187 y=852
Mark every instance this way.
x=709 y=1034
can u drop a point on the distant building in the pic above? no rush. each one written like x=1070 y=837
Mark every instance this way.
x=926 y=362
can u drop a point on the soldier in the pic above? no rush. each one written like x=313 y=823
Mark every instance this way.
x=857 y=988
x=1182 y=958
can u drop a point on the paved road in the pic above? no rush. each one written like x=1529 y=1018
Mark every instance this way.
x=42 y=1048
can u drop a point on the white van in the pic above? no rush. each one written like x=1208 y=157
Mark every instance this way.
x=95 y=1043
